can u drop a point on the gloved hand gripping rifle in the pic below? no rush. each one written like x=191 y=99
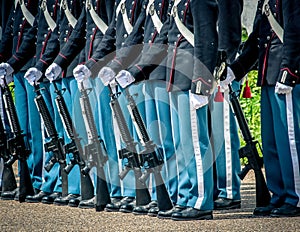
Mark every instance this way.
x=95 y=150
x=250 y=151
x=16 y=145
x=74 y=147
x=55 y=145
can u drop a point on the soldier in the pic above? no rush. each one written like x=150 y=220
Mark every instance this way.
x=194 y=160
x=224 y=131
x=52 y=44
x=16 y=29
x=278 y=77
x=87 y=34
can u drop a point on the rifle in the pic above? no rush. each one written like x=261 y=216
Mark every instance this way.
x=8 y=177
x=250 y=151
x=95 y=150
x=134 y=160
x=74 y=147
x=55 y=145
x=152 y=157
x=16 y=144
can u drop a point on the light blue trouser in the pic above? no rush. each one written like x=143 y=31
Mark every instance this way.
x=193 y=152
x=225 y=146
x=280 y=129
x=70 y=95
x=157 y=107
x=31 y=126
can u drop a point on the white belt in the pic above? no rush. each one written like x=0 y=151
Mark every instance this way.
x=187 y=34
x=155 y=19
x=51 y=23
x=97 y=20
x=122 y=9
x=71 y=19
x=273 y=22
x=27 y=14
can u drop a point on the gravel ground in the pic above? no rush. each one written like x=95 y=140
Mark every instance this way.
x=15 y=216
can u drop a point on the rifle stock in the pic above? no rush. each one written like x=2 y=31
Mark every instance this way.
x=8 y=177
x=16 y=144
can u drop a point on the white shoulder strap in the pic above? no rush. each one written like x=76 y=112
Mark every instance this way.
x=97 y=20
x=51 y=23
x=27 y=14
x=273 y=22
x=155 y=19
x=188 y=35
x=16 y=3
x=71 y=19
x=122 y=9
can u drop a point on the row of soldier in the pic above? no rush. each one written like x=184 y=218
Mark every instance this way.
x=122 y=49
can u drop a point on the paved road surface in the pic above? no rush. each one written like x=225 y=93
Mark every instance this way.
x=15 y=216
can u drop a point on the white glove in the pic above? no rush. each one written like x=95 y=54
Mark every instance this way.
x=106 y=75
x=283 y=89
x=124 y=78
x=229 y=78
x=8 y=79
x=33 y=75
x=53 y=71
x=197 y=101
x=5 y=69
x=81 y=73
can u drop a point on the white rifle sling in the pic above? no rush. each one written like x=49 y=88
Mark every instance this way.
x=273 y=22
x=187 y=34
x=155 y=19
x=27 y=14
x=71 y=19
x=97 y=20
x=122 y=9
x=51 y=23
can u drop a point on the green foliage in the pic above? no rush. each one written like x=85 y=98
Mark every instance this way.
x=12 y=89
x=244 y=34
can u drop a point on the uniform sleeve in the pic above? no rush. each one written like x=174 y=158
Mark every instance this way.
x=230 y=27
x=7 y=38
x=153 y=56
x=51 y=50
x=243 y=64
x=105 y=51
x=132 y=46
x=205 y=15
x=27 y=49
x=75 y=43
x=290 y=64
